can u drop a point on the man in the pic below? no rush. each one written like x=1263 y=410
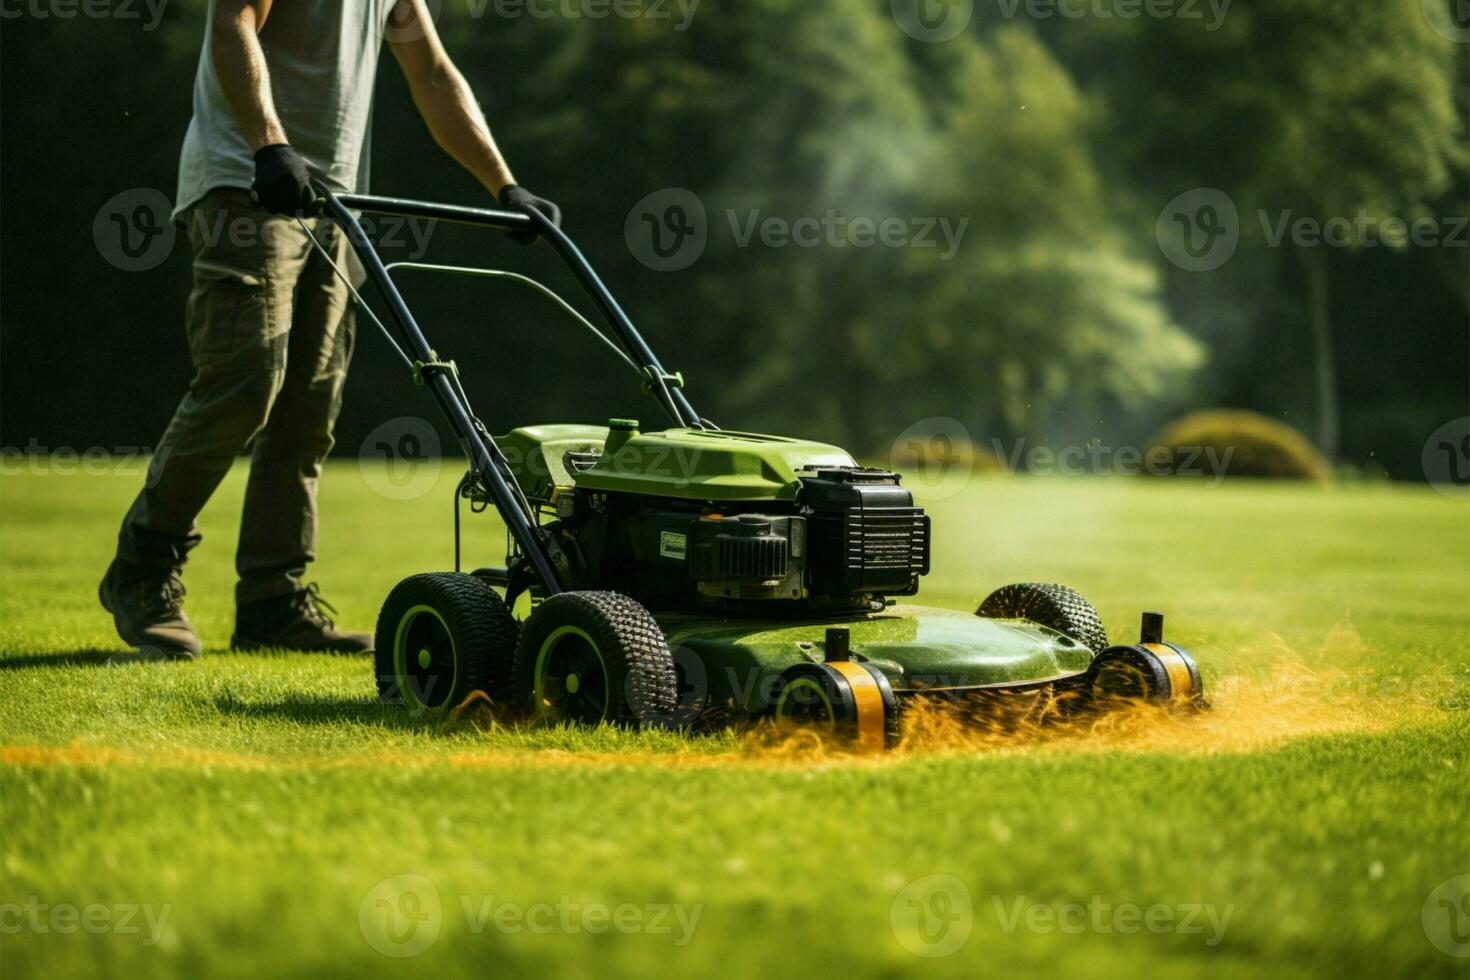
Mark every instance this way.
x=282 y=95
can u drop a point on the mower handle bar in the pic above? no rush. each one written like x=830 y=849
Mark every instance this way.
x=666 y=387
x=487 y=462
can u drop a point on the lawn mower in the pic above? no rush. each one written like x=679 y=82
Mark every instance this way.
x=674 y=573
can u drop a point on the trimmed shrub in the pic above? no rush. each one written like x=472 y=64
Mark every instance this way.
x=1258 y=446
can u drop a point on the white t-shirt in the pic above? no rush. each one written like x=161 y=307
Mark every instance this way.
x=323 y=57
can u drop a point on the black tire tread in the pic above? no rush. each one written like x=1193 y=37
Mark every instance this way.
x=1050 y=604
x=641 y=675
x=484 y=631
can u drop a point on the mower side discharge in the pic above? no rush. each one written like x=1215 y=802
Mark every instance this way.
x=688 y=569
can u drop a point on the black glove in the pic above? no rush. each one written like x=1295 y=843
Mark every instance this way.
x=513 y=197
x=282 y=185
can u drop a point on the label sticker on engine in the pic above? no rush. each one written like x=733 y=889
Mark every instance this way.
x=672 y=545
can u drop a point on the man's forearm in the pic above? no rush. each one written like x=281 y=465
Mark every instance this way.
x=240 y=65
x=454 y=118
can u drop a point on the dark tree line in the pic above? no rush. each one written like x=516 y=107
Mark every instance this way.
x=1038 y=155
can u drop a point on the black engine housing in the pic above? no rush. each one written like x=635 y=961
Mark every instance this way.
x=851 y=537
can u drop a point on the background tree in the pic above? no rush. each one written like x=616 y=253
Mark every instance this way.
x=1299 y=109
x=1058 y=140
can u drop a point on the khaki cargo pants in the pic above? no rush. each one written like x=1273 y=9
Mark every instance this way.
x=270 y=330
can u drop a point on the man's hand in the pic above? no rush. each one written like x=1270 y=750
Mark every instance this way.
x=516 y=198
x=282 y=185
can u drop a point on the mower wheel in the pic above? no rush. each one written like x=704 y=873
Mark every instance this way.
x=852 y=700
x=591 y=657
x=1050 y=605
x=1160 y=673
x=441 y=636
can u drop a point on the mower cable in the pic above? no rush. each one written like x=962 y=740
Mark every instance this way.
x=388 y=336
x=544 y=290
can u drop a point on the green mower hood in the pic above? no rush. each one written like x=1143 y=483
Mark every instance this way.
x=690 y=463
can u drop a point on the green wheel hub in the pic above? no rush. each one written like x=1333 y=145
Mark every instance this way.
x=424 y=658
x=571 y=679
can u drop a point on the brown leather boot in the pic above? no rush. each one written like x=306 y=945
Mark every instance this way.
x=147 y=607
x=295 y=621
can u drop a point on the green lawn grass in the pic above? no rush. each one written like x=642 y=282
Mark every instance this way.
x=260 y=801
